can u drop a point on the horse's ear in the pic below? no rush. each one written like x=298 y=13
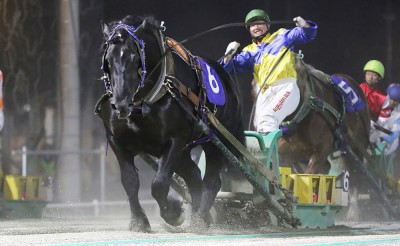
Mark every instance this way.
x=105 y=28
x=140 y=29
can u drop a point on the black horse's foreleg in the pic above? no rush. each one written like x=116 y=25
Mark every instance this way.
x=211 y=182
x=191 y=174
x=170 y=208
x=139 y=220
x=130 y=182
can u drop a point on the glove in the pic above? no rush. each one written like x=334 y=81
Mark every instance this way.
x=372 y=123
x=300 y=22
x=392 y=137
x=232 y=48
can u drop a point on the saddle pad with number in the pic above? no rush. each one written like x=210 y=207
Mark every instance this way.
x=352 y=100
x=214 y=87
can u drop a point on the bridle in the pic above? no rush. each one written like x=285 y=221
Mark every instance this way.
x=139 y=44
x=156 y=91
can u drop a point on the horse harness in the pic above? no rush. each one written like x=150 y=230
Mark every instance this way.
x=189 y=59
x=166 y=81
x=315 y=103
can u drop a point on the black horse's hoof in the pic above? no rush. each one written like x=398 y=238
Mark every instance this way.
x=140 y=226
x=177 y=221
x=174 y=213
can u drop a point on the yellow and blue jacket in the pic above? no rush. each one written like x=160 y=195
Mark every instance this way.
x=260 y=59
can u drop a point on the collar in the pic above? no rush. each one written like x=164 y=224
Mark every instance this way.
x=266 y=36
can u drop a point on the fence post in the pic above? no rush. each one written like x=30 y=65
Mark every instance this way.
x=24 y=160
x=96 y=206
x=102 y=173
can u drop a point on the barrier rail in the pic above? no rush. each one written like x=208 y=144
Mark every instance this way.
x=24 y=152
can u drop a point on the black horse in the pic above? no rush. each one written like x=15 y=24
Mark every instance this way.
x=156 y=91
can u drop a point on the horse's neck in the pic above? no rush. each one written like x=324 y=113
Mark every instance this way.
x=307 y=75
x=303 y=78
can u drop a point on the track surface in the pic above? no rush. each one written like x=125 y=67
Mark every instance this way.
x=112 y=231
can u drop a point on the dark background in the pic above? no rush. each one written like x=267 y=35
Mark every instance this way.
x=350 y=32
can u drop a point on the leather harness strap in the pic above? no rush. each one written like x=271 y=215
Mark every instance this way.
x=187 y=57
x=242 y=149
x=184 y=53
x=186 y=91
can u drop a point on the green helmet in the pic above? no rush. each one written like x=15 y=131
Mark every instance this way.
x=375 y=66
x=257 y=14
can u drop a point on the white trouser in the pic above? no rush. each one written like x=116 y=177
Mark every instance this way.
x=375 y=137
x=393 y=124
x=275 y=104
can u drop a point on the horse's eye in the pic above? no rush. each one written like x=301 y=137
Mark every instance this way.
x=116 y=39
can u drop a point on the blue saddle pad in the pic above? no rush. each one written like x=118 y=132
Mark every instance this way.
x=352 y=100
x=214 y=87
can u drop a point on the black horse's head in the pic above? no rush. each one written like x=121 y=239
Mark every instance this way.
x=131 y=51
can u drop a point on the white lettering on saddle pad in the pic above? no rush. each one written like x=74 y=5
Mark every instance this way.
x=214 y=87
x=352 y=101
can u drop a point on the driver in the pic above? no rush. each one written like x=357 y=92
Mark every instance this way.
x=389 y=119
x=375 y=97
x=280 y=94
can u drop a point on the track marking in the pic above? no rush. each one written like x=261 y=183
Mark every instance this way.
x=249 y=236
x=355 y=242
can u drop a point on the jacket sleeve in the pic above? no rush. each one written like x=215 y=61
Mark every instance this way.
x=302 y=35
x=240 y=63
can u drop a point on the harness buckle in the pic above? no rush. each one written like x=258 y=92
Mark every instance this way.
x=168 y=84
x=168 y=87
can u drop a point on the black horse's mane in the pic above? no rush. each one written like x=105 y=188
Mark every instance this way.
x=135 y=21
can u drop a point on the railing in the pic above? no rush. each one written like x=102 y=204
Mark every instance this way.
x=24 y=152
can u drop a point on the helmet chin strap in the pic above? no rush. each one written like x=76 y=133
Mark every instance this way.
x=259 y=37
x=373 y=85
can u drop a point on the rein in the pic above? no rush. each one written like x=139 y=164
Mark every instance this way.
x=211 y=30
x=230 y=25
x=161 y=87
